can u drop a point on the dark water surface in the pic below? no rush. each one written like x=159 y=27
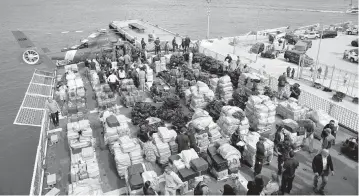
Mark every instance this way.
x=44 y=20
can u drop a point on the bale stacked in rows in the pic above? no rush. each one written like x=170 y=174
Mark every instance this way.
x=291 y=109
x=225 y=88
x=251 y=139
x=199 y=95
x=260 y=111
x=231 y=119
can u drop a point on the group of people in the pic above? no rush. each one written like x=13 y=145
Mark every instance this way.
x=294 y=89
x=322 y=164
x=157 y=44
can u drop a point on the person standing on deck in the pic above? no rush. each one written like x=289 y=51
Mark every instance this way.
x=283 y=149
x=228 y=58
x=288 y=71
x=142 y=78
x=182 y=140
x=260 y=156
x=282 y=81
x=174 y=44
x=157 y=46
x=172 y=181
x=322 y=165
x=167 y=47
x=293 y=71
x=112 y=81
x=187 y=43
x=328 y=139
x=121 y=74
x=127 y=60
x=150 y=151
x=143 y=44
x=289 y=166
x=225 y=66
x=54 y=110
x=333 y=129
x=183 y=45
x=309 y=127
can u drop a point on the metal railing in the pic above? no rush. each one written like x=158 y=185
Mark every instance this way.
x=40 y=159
x=346 y=117
x=38 y=173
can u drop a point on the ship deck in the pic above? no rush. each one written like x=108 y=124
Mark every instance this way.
x=58 y=155
x=58 y=160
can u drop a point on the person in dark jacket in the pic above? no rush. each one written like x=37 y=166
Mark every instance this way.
x=157 y=46
x=187 y=41
x=255 y=187
x=143 y=43
x=282 y=81
x=295 y=91
x=288 y=71
x=288 y=175
x=279 y=136
x=143 y=134
x=183 y=44
x=322 y=165
x=293 y=71
x=260 y=156
x=201 y=189
x=147 y=189
x=228 y=190
x=229 y=58
x=283 y=149
x=182 y=140
x=235 y=138
x=332 y=127
x=174 y=44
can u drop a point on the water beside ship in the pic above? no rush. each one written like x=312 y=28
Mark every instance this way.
x=43 y=21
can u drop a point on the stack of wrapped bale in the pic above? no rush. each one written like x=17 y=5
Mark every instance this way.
x=260 y=111
x=163 y=149
x=225 y=88
x=251 y=139
x=200 y=95
x=253 y=82
x=110 y=129
x=291 y=109
x=77 y=140
x=84 y=165
x=213 y=85
x=231 y=119
x=127 y=144
x=206 y=130
x=203 y=123
x=123 y=129
x=122 y=159
x=187 y=156
x=291 y=128
x=168 y=136
x=136 y=155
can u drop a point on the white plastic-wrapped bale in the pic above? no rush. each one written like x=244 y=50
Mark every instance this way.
x=225 y=88
x=260 y=111
x=321 y=118
x=201 y=95
x=230 y=120
x=291 y=109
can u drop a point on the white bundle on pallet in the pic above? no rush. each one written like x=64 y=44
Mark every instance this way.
x=84 y=124
x=260 y=111
x=123 y=129
x=201 y=95
x=122 y=161
x=136 y=156
x=166 y=135
x=225 y=88
x=230 y=120
x=291 y=109
x=127 y=144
